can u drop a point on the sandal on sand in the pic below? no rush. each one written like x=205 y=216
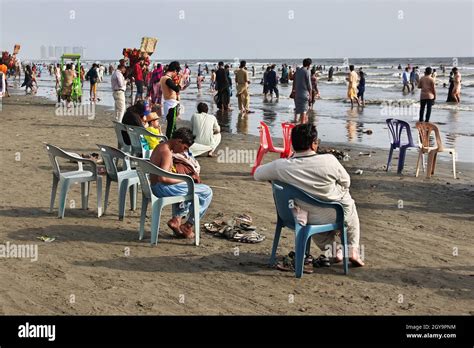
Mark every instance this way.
x=287 y=265
x=249 y=237
x=322 y=261
x=243 y=219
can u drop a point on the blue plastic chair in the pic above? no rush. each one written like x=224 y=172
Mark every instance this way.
x=126 y=178
x=144 y=168
x=396 y=128
x=119 y=128
x=139 y=144
x=65 y=179
x=331 y=217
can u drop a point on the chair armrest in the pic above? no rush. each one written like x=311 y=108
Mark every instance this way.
x=72 y=156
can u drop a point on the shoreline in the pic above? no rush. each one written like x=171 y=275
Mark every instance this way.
x=408 y=250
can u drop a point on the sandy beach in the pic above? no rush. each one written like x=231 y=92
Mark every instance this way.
x=419 y=258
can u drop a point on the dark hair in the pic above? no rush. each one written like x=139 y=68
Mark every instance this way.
x=428 y=71
x=120 y=66
x=303 y=135
x=407 y=69
x=361 y=73
x=307 y=62
x=174 y=66
x=202 y=107
x=351 y=67
x=220 y=64
x=455 y=70
x=185 y=135
x=242 y=63
x=68 y=66
x=139 y=107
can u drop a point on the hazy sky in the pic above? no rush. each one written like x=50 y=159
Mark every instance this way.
x=243 y=29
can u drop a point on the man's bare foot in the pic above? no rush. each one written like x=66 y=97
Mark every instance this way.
x=355 y=259
x=339 y=256
x=186 y=230
x=211 y=154
x=174 y=224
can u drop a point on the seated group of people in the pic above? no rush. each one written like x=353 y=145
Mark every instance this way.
x=320 y=175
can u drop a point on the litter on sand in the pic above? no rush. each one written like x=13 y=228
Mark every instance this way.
x=46 y=239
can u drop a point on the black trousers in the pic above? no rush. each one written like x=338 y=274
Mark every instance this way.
x=428 y=103
x=171 y=121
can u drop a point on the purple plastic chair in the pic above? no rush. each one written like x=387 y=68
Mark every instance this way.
x=396 y=128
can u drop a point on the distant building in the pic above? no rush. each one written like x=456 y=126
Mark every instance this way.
x=51 y=52
x=58 y=52
x=78 y=50
x=67 y=50
x=43 y=52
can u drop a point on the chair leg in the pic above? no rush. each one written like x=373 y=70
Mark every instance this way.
x=401 y=159
x=390 y=153
x=429 y=166
x=85 y=186
x=122 y=197
x=420 y=156
x=133 y=196
x=143 y=217
x=345 y=250
x=156 y=208
x=53 y=192
x=276 y=240
x=308 y=246
x=258 y=159
x=99 y=196
x=62 y=197
x=196 y=220
x=433 y=163
x=108 y=182
x=300 y=245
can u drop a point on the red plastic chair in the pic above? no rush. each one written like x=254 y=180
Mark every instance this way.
x=266 y=143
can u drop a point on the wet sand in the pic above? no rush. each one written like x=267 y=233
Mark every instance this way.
x=419 y=258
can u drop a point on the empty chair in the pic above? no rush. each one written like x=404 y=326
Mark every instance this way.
x=425 y=129
x=266 y=143
x=331 y=218
x=144 y=169
x=136 y=135
x=126 y=178
x=120 y=130
x=65 y=179
x=396 y=129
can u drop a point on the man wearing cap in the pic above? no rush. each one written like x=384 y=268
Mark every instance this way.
x=170 y=97
x=119 y=86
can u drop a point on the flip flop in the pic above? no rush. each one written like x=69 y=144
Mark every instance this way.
x=357 y=263
x=243 y=218
x=287 y=265
x=322 y=261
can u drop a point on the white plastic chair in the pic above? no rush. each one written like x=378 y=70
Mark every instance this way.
x=144 y=169
x=136 y=133
x=65 y=179
x=126 y=178
x=119 y=128
x=424 y=131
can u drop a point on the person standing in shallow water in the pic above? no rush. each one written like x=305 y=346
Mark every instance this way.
x=361 y=87
x=427 y=95
x=351 y=88
x=303 y=90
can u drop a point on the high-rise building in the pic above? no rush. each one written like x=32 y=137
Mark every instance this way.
x=78 y=50
x=43 y=52
x=50 y=52
x=58 y=51
x=67 y=49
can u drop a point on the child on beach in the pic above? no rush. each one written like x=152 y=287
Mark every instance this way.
x=154 y=127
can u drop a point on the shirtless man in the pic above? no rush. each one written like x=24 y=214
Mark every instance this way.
x=162 y=157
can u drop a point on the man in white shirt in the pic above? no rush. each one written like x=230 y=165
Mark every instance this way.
x=118 y=86
x=321 y=176
x=206 y=131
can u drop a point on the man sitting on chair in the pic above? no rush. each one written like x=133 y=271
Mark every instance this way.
x=162 y=157
x=321 y=176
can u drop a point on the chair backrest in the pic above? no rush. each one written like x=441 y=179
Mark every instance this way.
x=265 y=138
x=111 y=157
x=284 y=196
x=424 y=130
x=54 y=152
x=135 y=141
x=145 y=168
x=287 y=128
x=395 y=128
x=119 y=128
